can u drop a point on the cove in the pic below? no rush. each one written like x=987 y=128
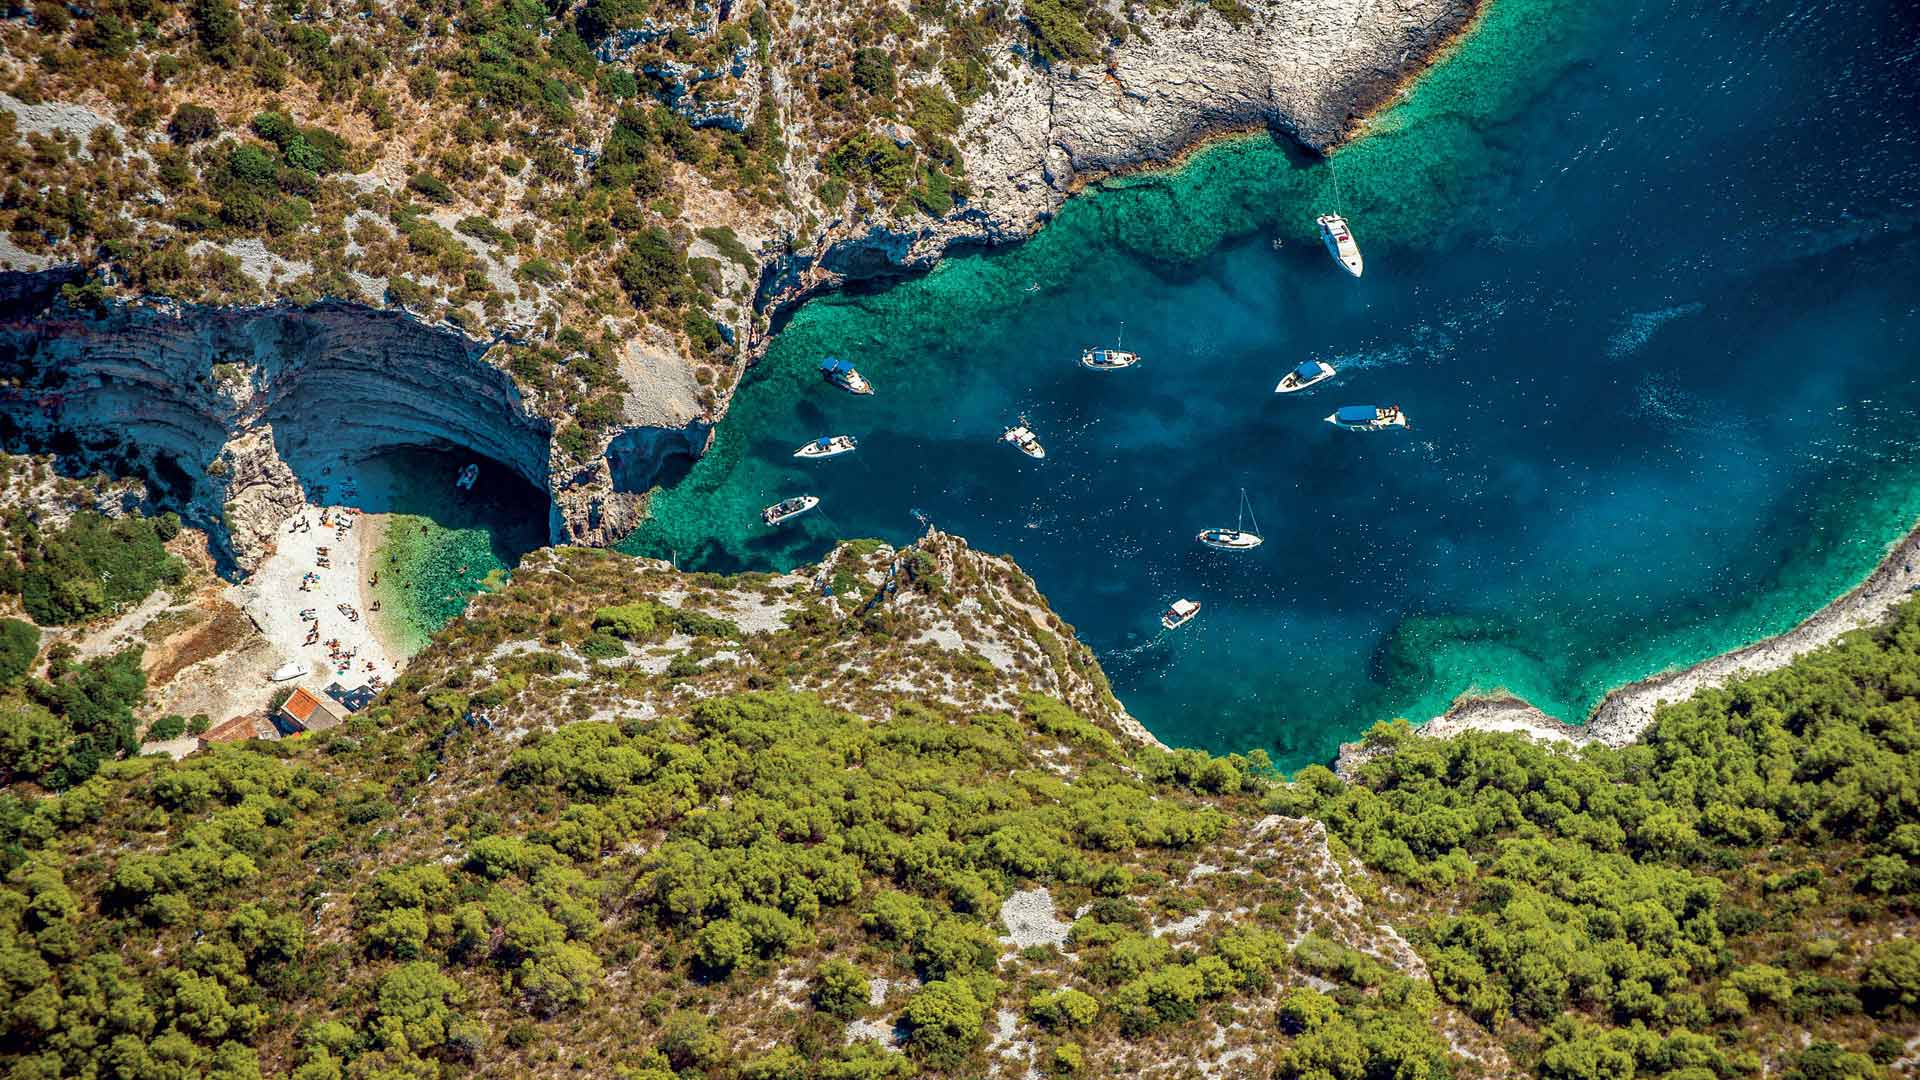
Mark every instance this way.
x=1640 y=274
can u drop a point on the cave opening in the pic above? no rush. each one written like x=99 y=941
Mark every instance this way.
x=421 y=483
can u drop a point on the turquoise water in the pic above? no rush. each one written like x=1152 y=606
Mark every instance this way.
x=442 y=545
x=1642 y=279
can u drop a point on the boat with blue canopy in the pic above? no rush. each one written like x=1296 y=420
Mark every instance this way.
x=1368 y=417
x=1108 y=359
x=826 y=447
x=841 y=374
x=1311 y=373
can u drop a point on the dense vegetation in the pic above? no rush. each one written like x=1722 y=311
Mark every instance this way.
x=757 y=884
x=549 y=165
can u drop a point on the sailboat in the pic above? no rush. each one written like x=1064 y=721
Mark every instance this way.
x=1236 y=538
x=1311 y=373
x=1109 y=359
x=1340 y=242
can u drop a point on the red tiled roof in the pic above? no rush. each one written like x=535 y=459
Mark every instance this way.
x=301 y=705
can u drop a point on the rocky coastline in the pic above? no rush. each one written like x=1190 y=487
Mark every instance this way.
x=1624 y=715
x=1309 y=72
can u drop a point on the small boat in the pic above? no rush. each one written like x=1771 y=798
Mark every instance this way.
x=467 y=476
x=292 y=669
x=831 y=446
x=1339 y=238
x=1022 y=438
x=841 y=374
x=789 y=508
x=1108 y=359
x=1368 y=417
x=1180 y=614
x=1311 y=373
x=1236 y=538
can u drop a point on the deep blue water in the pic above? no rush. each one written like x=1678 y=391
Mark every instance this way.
x=1643 y=279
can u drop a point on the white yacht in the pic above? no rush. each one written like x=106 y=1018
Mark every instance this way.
x=789 y=508
x=1236 y=538
x=1022 y=438
x=830 y=446
x=1368 y=417
x=1339 y=238
x=1180 y=614
x=1311 y=373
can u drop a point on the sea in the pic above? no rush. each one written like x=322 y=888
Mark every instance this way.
x=1641 y=275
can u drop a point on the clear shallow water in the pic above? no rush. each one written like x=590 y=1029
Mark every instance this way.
x=442 y=545
x=1642 y=278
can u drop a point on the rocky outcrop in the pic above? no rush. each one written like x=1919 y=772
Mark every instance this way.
x=238 y=416
x=1310 y=70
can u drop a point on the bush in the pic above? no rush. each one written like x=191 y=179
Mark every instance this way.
x=432 y=187
x=168 y=727
x=19 y=645
x=840 y=989
x=192 y=123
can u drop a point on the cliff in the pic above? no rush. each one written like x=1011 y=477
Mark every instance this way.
x=1307 y=70
x=642 y=255
x=235 y=416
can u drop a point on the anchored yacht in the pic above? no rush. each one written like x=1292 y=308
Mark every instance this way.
x=841 y=374
x=1022 y=438
x=1108 y=359
x=830 y=446
x=789 y=508
x=1340 y=242
x=1236 y=538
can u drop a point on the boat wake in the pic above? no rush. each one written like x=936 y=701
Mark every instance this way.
x=1642 y=325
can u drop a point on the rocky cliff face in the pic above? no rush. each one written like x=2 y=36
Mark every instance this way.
x=1311 y=70
x=237 y=416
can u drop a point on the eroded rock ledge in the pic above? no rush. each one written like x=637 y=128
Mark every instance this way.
x=233 y=416
x=1310 y=70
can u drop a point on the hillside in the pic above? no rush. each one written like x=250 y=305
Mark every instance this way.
x=619 y=821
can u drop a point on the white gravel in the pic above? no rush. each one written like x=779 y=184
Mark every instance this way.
x=1030 y=920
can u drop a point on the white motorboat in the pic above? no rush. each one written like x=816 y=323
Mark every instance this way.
x=789 y=508
x=1340 y=242
x=1368 y=417
x=841 y=374
x=1180 y=614
x=1236 y=538
x=1108 y=359
x=830 y=446
x=292 y=669
x=1022 y=438
x=1311 y=373
x=467 y=476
